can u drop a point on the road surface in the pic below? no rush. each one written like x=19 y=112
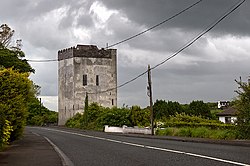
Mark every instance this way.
x=98 y=148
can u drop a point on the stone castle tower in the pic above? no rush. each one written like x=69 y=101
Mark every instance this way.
x=81 y=69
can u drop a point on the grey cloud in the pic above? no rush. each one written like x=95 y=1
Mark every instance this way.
x=152 y=12
x=80 y=8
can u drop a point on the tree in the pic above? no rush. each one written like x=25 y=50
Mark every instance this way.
x=39 y=115
x=199 y=108
x=6 y=34
x=139 y=117
x=13 y=58
x=86 y=105
x=242 y=104
x=15 y=92
x=163 y=109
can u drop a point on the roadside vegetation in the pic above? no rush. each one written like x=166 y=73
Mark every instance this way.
x=197 y=119
x=98 y=116
x=18 y=94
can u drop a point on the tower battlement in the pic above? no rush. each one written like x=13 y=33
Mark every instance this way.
x=89 y=51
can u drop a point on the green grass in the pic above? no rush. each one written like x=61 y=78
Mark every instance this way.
x=199 y=132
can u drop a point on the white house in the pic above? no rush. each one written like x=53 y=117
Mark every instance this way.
x=228 y=115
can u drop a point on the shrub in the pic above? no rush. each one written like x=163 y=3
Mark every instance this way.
x=200 y=132
x=15 y=92
x=167 y=131
x=75 y=121
x=183 y=120
x=184 y=132
x=5 y=131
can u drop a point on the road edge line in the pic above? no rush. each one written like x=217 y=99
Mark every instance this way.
x=65 y=160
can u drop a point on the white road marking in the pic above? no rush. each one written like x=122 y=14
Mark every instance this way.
x=150 y=147
x=65 y=160
x=35 y=134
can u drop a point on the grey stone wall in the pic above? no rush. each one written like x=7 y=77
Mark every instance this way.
x=91 y=61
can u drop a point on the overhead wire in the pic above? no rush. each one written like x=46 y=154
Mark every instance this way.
x=45 y=60
x=154 y=26
x=188 y=44
x=136 y=35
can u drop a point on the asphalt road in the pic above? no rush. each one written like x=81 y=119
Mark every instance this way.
x=97 y=148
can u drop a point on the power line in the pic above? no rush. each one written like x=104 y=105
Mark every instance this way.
x=164 y=21
x=202 y=33
x=210 y=27
x=138 y=34
x=45 y=60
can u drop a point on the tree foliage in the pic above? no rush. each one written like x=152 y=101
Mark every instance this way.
x=13 y=59
x=242 y=104
x=163 y=109
x=15 y=92
x=199 y=108
x=139 y=117
x=38 y=115
x=99 y=116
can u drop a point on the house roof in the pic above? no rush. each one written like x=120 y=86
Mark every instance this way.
x=229 y=111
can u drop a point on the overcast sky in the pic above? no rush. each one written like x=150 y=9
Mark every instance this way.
x=205 y=71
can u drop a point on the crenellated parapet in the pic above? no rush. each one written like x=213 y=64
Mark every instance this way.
x=88 y=51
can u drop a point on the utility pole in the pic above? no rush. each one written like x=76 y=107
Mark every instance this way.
x=151 y=100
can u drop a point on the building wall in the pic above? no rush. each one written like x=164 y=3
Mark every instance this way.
x=233 y=119
x=90 y=61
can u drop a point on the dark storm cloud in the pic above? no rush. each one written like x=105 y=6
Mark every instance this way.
x=149 y=12
x=206 y=81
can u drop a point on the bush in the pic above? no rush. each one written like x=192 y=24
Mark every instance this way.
x=184 y=132
x=5 y=131
x=98 y=116
x=75 y=121
x=15 y=92
x=183 y=120
x=167 y=131
x=201 y=132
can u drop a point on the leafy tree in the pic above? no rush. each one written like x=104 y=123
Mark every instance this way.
x=6 y=34
x=199 y=108
x=13 y=58
x=115 y=117
x=242 y=104
x=39 y=115
x=163 y=109
x=139 y=117
x=15 y=91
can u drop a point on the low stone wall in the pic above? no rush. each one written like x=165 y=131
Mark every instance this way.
x=111 y=129
x=125 y=129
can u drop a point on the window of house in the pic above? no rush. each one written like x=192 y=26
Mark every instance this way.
x=227 y=119
x=84 y=81
x=97 y=80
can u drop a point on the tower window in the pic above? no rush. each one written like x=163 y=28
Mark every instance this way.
x=84 y=81
x=97 y=80
x=112 y=101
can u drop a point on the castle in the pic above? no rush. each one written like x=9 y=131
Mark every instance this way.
x=81 y=69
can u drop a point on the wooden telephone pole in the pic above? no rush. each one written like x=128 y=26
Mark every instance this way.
x=151 y=100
